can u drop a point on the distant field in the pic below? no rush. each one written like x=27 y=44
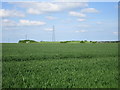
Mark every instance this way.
x=60 y=65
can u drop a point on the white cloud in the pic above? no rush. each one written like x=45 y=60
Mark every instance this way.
x=31 y=23
x=6 y=22
x=84 y=26
x=46 y=7
x=89 y=10
x=116 y=33
x=98 y=22
x=81 y=20
x=78 y=14
x=50 y=17
x=40 y=8
x=48 y=29
x=10 y=13
x=33 y=11
x=81 y=31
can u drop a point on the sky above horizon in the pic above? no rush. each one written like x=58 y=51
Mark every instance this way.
x=72 y=21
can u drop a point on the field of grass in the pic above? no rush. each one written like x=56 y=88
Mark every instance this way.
x=60 y=65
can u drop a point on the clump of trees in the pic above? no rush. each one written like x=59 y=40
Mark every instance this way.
x=27 y=41
x=65 y=41
x=85 y=41
x=88 y=41
x=82 y=41
x=93 y=41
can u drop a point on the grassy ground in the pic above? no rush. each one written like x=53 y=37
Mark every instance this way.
x=60 y=65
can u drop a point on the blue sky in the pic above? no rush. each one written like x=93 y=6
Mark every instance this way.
x=72 y=21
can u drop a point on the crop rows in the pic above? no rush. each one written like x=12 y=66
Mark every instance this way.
x=25 y=52
x=60 y=65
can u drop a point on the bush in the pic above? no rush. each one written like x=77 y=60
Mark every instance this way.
x=63 y=42
x=27 y=41
x=94 y=42
x=82 y=41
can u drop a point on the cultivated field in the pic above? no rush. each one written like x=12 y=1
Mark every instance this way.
x=60 y=65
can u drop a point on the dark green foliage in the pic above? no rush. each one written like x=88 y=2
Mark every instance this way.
x=82 y=41
x=63 y=42
x=27 y=41
x=94 y=42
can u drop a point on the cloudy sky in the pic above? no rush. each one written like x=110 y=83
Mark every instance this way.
x=72 y=21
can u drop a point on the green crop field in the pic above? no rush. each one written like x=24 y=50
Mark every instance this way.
x=60 y=65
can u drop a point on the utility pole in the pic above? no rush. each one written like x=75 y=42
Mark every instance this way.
x=53 y=34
